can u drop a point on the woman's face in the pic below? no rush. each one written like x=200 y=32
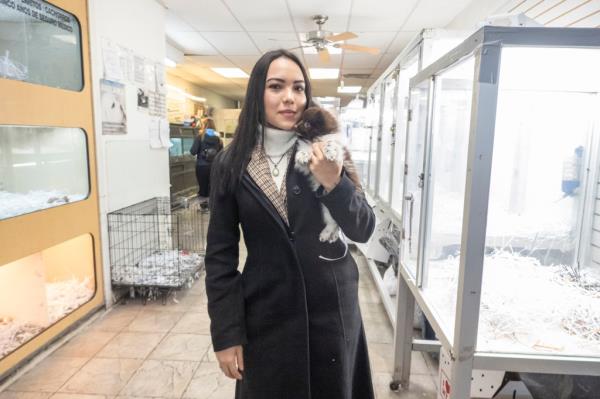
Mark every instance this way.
x=284 y=96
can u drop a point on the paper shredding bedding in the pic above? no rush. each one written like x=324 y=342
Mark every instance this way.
x=13 y=204
x=161 y=269
x=525 y=306
x=63 y=297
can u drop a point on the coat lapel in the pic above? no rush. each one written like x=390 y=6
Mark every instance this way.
x=258 y=170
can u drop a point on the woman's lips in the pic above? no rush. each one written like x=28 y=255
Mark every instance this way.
x=287 y=113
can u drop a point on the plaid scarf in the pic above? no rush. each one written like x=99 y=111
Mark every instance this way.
x=259 y=171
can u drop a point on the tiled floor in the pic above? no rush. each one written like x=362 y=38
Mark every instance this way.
x=164 y=351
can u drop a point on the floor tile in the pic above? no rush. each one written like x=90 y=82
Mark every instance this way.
x=102 y=376
x=24 y=395
x=210 y=383
x=191 y=347
x=86 y=344
x=153 y=321
x=193 y=323
x=49 y=375
x=116 y=319
x=131 y=345
x=78 y=396
x=162 y=378
x=420 y=387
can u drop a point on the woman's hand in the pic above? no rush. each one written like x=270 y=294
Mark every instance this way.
x=231 y=361
x=326 y=172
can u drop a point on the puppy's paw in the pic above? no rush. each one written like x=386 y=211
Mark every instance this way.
x=331 y=151
x=329 y=234
x=302 y=157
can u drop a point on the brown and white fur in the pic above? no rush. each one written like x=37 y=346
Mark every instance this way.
x=316 y=125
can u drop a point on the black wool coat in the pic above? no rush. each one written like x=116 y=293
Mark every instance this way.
x=295 y=313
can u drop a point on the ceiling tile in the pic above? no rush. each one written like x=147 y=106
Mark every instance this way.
x=434 y=13
x=174 y=23
x=401 y=40
x=380 y=40
x=313 y=61
x=337 y=11
x=191 y=43
x=270 y=16
x=360 y=60
x=209 y=61
x=204 y=15
x=231 y=43
x=267 y=41
x=388 y=15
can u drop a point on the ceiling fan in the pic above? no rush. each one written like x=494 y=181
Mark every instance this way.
x=321 y=40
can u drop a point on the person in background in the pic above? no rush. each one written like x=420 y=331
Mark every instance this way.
x=288 y=326
x=206 y=146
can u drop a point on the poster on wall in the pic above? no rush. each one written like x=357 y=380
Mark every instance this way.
x=139 y=71
x=142 y=99
x=161 y=84
x=114 y=115
x=157 y=105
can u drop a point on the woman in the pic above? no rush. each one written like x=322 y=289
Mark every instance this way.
x=289 y=325
x=205 y=147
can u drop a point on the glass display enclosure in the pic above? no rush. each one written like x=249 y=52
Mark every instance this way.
x=374 y=115
x=389 y=106
x=501 y=193
x=41 y=289
x=40 y=43
x=40 y=168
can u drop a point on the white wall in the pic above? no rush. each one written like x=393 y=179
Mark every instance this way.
x=129 y=171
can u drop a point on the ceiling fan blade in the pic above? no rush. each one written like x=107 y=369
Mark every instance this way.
x=342 y=36
x=355 y=47
x=324 y=55
x=296 y=48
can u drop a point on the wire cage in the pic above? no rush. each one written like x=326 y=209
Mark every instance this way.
x=154 y=248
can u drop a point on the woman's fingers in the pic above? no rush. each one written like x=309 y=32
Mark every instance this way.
x=240 y=358
x=318 y=151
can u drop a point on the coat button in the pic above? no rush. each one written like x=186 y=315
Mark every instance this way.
x=292 y=236
x=296 y=190
x=333 y=360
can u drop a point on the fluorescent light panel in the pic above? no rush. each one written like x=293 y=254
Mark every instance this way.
x=349 y=89
x=324 y=73
x=231 y=72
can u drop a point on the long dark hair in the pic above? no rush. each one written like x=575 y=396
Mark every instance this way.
x=231 y=163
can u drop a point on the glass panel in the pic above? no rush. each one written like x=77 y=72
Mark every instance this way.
x=41 y=167
x=176 y=149
x=374 y=106
x=407 y=71
x=446 y=181
x=541 y=283
x=387 y=132
x=413 y=185
x=187 y=146
x=39 y=290
x=40 y=43
x=357 y=130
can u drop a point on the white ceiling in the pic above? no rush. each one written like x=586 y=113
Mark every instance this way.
x=235 y=33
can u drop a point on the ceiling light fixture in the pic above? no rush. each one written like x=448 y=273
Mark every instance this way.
x=231 y=72
x=324 y=73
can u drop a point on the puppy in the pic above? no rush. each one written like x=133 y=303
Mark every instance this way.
x=318 y=125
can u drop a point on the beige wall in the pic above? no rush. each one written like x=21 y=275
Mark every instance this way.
x=212 y=99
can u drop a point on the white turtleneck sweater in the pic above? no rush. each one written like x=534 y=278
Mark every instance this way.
x=278 y=142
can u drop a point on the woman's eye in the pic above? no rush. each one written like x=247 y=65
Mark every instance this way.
x=300 y=88
x=275 y=86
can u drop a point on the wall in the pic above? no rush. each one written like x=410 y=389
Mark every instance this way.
x=212 y=99
x=129 y=171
